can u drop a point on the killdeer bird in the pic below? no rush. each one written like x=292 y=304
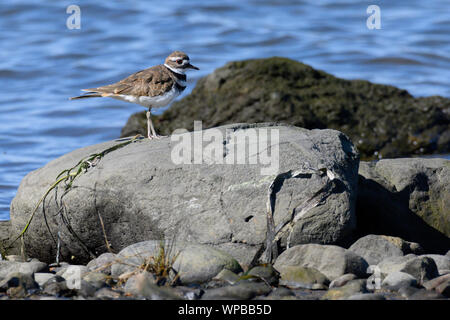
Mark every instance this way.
x=154 y=87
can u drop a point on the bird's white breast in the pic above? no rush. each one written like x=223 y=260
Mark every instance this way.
x=154 y=102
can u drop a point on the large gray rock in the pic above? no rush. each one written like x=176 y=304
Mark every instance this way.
x=139 y=193
x=375 y=248
x=407 y=198
x=332 y=261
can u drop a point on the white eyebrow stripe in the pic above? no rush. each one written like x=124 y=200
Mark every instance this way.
x=176 y=58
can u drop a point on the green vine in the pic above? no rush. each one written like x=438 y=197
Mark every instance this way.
x=68 y=176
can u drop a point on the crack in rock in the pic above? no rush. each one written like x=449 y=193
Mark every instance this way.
x=286 y=227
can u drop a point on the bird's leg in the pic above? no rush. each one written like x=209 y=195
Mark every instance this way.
x=151 y=133
x=150 y=125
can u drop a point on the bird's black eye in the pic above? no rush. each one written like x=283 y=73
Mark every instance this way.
x=179 y=61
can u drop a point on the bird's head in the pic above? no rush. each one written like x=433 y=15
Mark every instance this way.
x=179 y=62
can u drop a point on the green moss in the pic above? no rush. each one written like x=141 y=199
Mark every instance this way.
x=436 y=213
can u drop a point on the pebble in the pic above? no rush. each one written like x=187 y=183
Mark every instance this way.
x=227 y=276
x=444 y=288
x=424 y=294
x=367 y=296
x=97 y=279
x=143 y=285
x=421 y=268
x=407 y=292
x=102 y=263
x=433 y=283
x=398 y=279
x=350 y=288
x=296 y=277
x=42 y=277
x=108 y=294
x=244 y=290
x=55 y=287
x=342 y=280
x=268 y=273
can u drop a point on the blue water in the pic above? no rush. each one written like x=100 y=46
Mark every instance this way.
x=42 y=62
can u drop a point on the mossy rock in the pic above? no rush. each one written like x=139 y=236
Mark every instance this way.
x=382 y=120
x=351 y=288
x=296 y=277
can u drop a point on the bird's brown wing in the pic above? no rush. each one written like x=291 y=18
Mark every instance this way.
x=150 y=82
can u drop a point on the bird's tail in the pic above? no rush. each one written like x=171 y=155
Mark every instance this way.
x=87 y=95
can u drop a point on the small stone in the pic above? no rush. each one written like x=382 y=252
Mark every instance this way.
x=407 y=292
x=367 y=296
x=18 y=285
x=57 y=286
x=444 y=288
x=32 y=266
x=102 y=263
x=267 y=273
x=200 y=263
x=6 y=267
x=42 y=277
x=442 y=262
x=227 y=276
x=424 y=294
x=295 y=277
x=393 y=264
x=421 y=268
x=333 y=261
x=58 y=267
x=444 y=271
x=244 y=290
x=396 y=280
x=15 y=258
x=73 y=273
x=190 y=293
x=433 y=283
x=97 y=279
x=17 y=279
x=342 y=280
x=281 y=292
x=85 y=289
x=376 y=248
x=142 y=285
x=107 y=294
x=130 y=258
x=351 y=288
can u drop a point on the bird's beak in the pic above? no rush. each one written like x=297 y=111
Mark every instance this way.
x=192 y=67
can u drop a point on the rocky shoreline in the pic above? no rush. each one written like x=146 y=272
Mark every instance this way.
x=314 y=259
x=146 y=270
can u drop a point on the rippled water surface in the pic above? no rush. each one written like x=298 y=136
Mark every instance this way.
x=42 y=62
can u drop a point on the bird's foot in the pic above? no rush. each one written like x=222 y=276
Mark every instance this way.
x=151 y=137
